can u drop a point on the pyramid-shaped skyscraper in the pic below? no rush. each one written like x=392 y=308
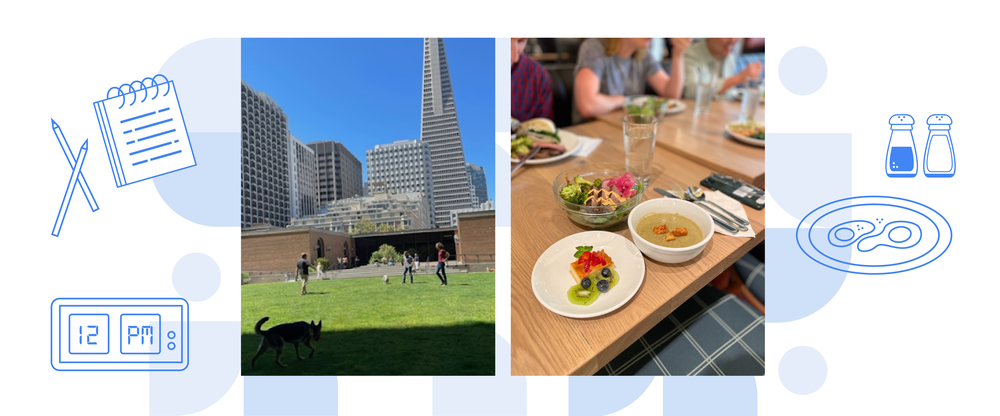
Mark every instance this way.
x=439 y=129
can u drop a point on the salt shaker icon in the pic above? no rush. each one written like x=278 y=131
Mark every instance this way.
x=939 y=156
x=901 y=157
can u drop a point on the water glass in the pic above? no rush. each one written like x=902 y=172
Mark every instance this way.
x=751 y=99
x=704 y=80
x=640 y=141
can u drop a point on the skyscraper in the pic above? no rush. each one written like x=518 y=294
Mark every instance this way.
x=302 y=171
x=265 y=189
x=339 y=172
x=439 y=129
x=477 y=177
x=402 y=166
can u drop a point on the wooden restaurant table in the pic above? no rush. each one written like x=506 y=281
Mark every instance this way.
x=703 y=139
x=544 y=343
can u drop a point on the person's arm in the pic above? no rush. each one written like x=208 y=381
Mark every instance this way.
x=751 y=71
x=667 y=85
x=589 y=101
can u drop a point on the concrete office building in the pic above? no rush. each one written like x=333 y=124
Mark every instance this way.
x=302 y=178
x=399 y=211
x=402 y=166
x=339 y=172
x=439 y=129
x=265 y=190
x=477 y=179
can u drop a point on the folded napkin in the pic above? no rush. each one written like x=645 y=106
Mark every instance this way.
x=587 y=145
x=731 y=205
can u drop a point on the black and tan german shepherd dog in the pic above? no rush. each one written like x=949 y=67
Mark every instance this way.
x=294 y=333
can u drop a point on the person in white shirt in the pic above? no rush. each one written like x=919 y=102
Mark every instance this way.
x=714 y=56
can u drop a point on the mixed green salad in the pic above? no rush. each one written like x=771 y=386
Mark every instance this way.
x=597 y=193
x=649 y=105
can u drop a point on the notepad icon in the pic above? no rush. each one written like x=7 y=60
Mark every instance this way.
x=144 y=131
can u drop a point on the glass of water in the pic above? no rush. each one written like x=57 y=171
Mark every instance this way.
x=751 y=99
x=640 y=141
x=705 y=82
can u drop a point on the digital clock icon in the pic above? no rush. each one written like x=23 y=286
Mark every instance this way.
x=119 y=334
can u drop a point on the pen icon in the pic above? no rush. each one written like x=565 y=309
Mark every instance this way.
x=68 y=195
x=68 y=153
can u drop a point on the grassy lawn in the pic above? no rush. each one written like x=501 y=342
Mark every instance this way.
x=374 y=329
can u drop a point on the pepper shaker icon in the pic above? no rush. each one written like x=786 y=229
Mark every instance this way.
x=939 y=156
x=901 y=157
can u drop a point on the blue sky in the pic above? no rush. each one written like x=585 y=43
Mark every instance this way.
x=363 y=92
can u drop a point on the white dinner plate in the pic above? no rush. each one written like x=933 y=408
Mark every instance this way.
x=568 y=140
x=741 y=138
x=551 y=278
x=678 y=109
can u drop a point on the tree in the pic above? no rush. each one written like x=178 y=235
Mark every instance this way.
x=325 y=262
x=387 y=251
x=384 y=228
x=364 y=227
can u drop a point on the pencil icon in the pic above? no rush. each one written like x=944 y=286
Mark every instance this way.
x=68 y=153
x=68 y=195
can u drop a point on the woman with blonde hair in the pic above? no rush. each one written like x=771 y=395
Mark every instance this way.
x=609 y=69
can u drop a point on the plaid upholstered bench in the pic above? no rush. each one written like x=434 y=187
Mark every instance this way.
x=713 y=333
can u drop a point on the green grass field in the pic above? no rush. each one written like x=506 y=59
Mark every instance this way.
x=370 y=328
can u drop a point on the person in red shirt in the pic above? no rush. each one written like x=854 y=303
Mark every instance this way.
x=530 y=85
x=442 y=257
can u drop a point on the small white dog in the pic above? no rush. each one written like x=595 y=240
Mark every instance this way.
x=385 y=279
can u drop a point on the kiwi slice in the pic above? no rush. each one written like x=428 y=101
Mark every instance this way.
x=596 y=275
x=580 y=296
x=614 y=279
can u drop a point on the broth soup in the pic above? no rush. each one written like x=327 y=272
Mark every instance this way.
x=667 y=229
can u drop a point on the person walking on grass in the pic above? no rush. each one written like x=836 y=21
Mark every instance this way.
x=416 y=262
x=442 y=257
x=407 y=266
x=303 y=268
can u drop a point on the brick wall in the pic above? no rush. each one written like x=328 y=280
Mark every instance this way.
x=280 y=251
x=476 y=235
x=333 y=246
x=273 y=252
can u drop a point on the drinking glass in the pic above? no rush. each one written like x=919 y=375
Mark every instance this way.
x=705 y=82
x=751 y=99
x=640 y=141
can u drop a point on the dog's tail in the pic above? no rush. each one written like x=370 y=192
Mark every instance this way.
x=259 y=324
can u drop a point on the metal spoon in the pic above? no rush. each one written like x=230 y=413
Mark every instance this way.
x=689 y=197
x=697 y=193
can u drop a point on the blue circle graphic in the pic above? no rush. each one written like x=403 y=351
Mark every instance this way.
x=802 y=370
x=802 y=70
x=196 y=277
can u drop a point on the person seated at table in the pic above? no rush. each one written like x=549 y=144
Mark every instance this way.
x=530 y=85
x=607 y=70
x=712 y=56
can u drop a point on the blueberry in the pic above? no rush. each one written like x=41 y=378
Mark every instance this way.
x=606 y=272
x=603 y=285
x=585 y=283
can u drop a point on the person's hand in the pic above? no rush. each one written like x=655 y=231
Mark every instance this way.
x=752 y=71
x=679 y=45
